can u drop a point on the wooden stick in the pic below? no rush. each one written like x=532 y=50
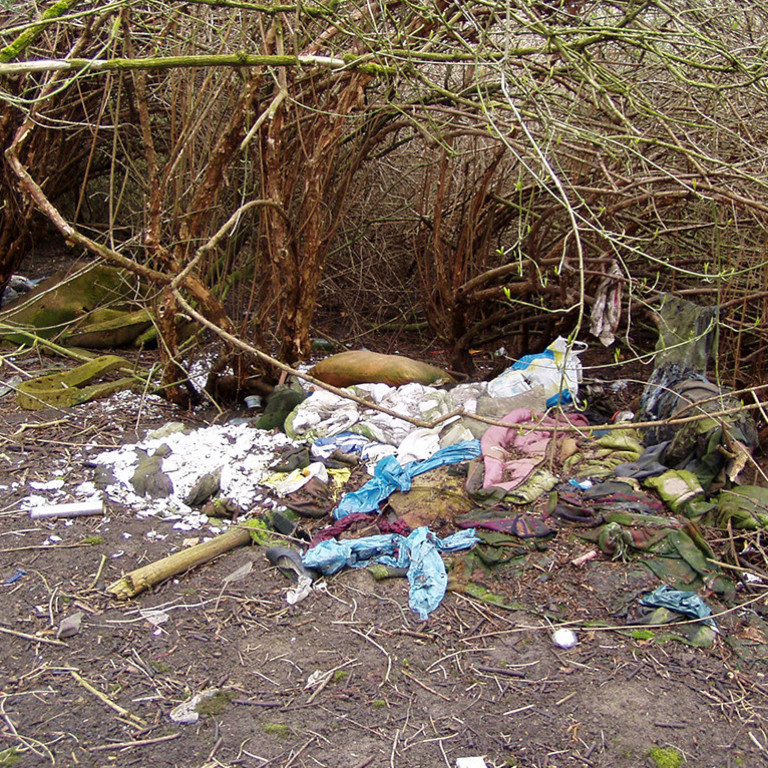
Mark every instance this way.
x=122 y=711
x=33 y=638
x=139 y=743
x=147 y=576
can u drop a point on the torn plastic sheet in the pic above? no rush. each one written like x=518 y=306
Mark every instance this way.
x=390 y=476
x=687 y=603
x=419 y=553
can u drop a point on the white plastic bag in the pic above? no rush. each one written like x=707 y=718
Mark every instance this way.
x=557 y=370
x=508 y=384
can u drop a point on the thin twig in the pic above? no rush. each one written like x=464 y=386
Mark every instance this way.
x=34 y=638
x=136 y=721
x=138 y=743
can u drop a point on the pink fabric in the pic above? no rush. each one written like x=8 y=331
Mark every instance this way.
x=510 y=455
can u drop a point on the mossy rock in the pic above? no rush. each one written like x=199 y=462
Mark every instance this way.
x=51 y=307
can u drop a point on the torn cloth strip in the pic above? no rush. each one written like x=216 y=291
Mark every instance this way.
x=390 y=476
x=419 y=552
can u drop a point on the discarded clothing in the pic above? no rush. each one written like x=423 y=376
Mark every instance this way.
x=359 y=519
x=325 y=414
x=419 y=552
x=698 y=634
x=679 y=387
x=599 y=458
x=677 y=487
x=313 y=499
x=610 y=497
x=390 y=476
x=281 y=402
x=524 y=525
x=615 y=495
x=686 y=333
x=510 y=455
x=673 y=392
x=745 y=507
x=606 y=311
x=648 y=465
x=687 y=603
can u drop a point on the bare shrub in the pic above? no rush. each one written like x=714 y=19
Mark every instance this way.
x=479 y=167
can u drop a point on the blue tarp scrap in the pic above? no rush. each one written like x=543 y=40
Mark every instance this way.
x=685 y=603
x=390 y=476
x=419 y=553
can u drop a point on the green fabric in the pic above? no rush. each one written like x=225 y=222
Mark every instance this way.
x=671 y=554
x=676 y=487
x=280 y=405
x=68 y=388
x=686 y=333
x=698 y=635
x=746 y=507
x=540 y=482
x=600 y=457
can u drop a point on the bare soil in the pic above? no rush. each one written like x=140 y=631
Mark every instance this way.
x=394 y=692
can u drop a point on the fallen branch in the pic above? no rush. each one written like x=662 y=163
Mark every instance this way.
x=29 y=35
x=138 y=743
x=359 y=64
x=148 y=576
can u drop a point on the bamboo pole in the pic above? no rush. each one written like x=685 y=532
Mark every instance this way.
x=131 y=584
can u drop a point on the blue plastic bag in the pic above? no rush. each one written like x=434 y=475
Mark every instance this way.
x=419 y=553
x=389 y=476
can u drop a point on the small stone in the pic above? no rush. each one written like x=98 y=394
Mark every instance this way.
x=70 y=626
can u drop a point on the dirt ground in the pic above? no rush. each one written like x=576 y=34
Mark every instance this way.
x=393 y=691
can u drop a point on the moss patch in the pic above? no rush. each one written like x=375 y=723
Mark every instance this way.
x=215 y=704
x=9 y=757
x=281 y=730
x=665 y=757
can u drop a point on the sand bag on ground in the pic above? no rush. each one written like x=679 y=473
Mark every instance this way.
x=362 y=366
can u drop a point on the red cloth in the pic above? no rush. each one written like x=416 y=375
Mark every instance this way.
x=357 y=518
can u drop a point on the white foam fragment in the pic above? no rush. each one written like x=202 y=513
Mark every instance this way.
x=50 y=485
x=242 y=453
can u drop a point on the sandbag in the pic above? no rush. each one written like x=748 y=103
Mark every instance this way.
x=362 y=366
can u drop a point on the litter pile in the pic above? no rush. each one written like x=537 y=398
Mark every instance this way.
x=397 y=476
